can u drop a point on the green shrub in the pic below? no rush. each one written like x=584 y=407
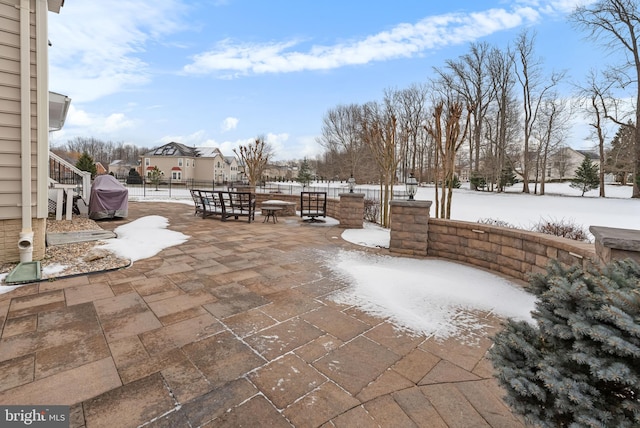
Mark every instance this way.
x=478 y=182
x=455 y=183
x=579 y=366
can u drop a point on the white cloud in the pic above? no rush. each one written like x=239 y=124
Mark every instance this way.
x=85 y=123
x=404 y=40
x=230 y=123
x=115 y=122
x=95 y=45
x=557 y=6
x=197 y=138
x=277 y=141
x=308 y=148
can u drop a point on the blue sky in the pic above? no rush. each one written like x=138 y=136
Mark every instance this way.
x=221 y=72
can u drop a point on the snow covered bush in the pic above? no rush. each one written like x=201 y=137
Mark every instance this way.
x=565 y=228
x=580 y=364
x=372 y=210
x=496 y=222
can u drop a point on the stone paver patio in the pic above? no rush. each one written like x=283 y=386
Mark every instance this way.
x=235 y=327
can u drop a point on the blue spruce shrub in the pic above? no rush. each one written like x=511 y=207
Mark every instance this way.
x=580 y=365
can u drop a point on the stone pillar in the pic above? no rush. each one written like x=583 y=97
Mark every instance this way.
x=351 y=210
x=616 y=244
x=409 y=227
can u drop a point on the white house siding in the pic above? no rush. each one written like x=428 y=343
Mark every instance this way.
x=562 y=165
x=10 y=127
x=204 y=169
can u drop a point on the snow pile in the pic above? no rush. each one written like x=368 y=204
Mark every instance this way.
x=143 y=238
x=430 y=297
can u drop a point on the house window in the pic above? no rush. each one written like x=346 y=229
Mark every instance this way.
x=179 y=161
x=193 y=165
x=147 y=161
x=176 y=175
x=187 y=162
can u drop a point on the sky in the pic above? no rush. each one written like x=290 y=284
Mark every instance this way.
x=222 y=72
x=433 y=297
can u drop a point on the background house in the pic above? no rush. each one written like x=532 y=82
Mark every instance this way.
x=563 y=163
x=120 y=169
x=181 y=163
x=24 y=127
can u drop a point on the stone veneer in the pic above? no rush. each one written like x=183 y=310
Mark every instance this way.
x=10 y=233
x=351 y=210
x=409 y=224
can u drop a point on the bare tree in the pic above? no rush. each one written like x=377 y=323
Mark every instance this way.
x=341 y=134
x=549 y=132
x=502 y=127
x=254 y=157
x=593 y=98
x=534 y=88
x=448 y=142
x=620 y=160
x=412 y=114
x=470 y=77
x=379 y=133
x=102 y=151
x=616 y=24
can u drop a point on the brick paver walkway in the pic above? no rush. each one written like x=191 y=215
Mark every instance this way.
x=232 y=328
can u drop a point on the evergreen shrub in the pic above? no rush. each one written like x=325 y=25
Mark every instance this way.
x=455 y=183
x=579 y=365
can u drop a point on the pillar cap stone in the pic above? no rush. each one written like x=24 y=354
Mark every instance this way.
x=619 y=239
x=413 y=203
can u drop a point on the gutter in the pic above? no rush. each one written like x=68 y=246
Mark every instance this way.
x=25 y=241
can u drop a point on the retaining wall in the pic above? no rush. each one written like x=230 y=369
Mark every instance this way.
x=512 y=252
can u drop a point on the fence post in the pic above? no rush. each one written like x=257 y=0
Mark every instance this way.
x=409 y=224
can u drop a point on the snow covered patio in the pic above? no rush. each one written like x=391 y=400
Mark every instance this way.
x=242 y=324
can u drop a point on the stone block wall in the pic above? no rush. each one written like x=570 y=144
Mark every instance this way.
x=512 y=252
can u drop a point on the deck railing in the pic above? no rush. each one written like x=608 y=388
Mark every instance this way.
x=63 y=172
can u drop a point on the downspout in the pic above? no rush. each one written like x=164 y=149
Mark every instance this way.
x=25 y=241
